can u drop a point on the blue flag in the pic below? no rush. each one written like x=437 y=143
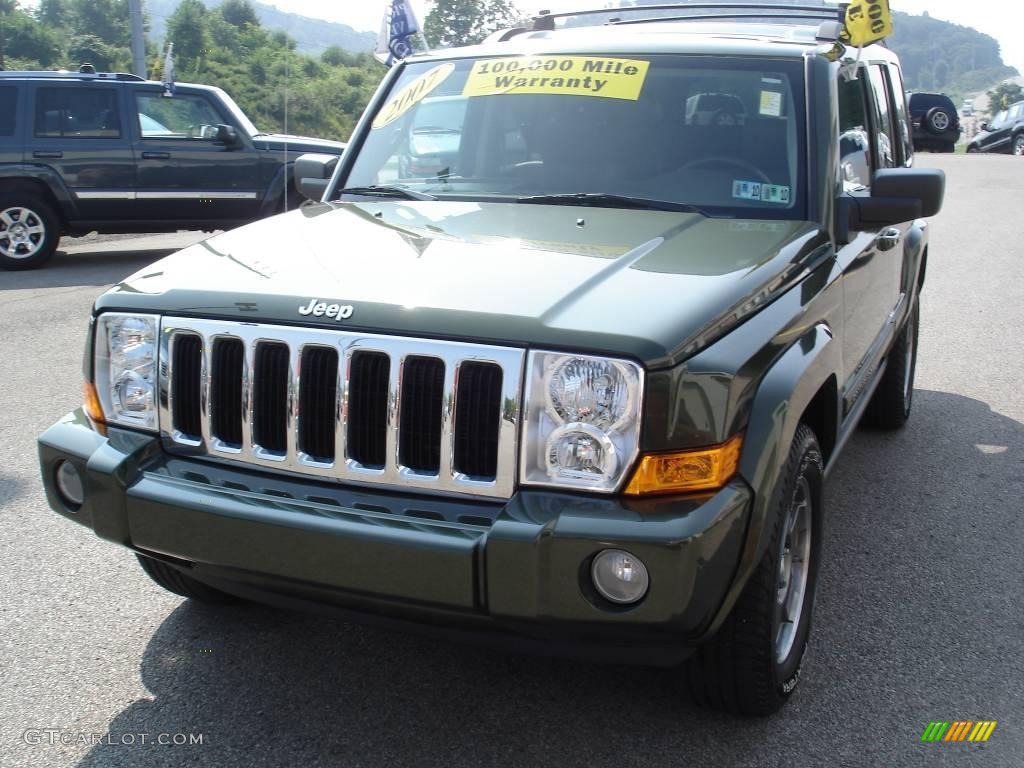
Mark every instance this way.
x=400 y=25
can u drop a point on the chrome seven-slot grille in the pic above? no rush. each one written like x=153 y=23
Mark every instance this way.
x=403 y=412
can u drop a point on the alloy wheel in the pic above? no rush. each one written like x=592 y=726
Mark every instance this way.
x=794 y=570
x=22 y=233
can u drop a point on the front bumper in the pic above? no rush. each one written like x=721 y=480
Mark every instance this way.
x=515 y=571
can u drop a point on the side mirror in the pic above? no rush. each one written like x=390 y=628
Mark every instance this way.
x=313 y=173
x=983 y=126
x=897 y=195
x=228 y=136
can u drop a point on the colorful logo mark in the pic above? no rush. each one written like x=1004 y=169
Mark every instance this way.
x=958 y=730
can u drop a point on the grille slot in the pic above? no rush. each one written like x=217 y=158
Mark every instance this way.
x=318 y=393
x=226 y=371
x=419 y=440
x=477 y=420
x=417 y=415
x=368 y=408
x=186 y=385
x=270 y=397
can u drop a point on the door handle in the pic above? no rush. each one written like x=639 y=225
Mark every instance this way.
x=889 y=239
x=48 y=155
x=156 y=155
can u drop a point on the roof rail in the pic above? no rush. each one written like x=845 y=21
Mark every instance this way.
x=545 y=20
x=66 y=75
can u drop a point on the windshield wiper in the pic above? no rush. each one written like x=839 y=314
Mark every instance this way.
x=385 y=191
x=607 y=200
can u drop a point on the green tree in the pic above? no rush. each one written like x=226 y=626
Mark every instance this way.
x=99 y=53
x=28 y=40
x=185 y=28
x=239 y=13
x=1005 y=94
x=105 y=19
x=53 y=13
x=465 y=22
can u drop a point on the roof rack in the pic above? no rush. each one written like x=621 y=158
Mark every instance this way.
x=66 y=75
x=545 y=20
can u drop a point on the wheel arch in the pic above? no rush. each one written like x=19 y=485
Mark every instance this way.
x=802 y=386
x=52 y=191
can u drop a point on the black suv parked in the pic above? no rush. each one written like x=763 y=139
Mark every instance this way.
x=1003 y=133
x=83 y=152
x=934 y=122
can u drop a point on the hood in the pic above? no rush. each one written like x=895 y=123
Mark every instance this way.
x=297 y=144
x=649 y=285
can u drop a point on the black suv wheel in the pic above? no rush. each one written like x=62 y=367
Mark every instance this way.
x=938 y=120
x=890 y=405
x=752 y=665
x=1018 y=145
x=29 y=231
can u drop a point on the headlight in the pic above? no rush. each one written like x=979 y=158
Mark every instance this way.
x=125 y=364
x=582 y=421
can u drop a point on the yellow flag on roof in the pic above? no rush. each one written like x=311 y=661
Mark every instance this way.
x=867 y=22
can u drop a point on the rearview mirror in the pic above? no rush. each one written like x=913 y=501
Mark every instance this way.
x=897 y=195
x=313 y=173
x=228 y=136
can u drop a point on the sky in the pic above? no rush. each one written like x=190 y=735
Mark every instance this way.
x=1002 y=19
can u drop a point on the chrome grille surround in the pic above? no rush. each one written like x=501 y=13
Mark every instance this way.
x=347 y=343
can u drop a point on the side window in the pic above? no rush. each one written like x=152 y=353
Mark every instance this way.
x=885 y=143
x=8 y=102
x=79 y=112
x=854 y=134
x=902 y=115
x=184 y=116
x=1016 y=111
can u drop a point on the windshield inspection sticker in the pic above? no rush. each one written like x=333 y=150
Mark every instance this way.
x=765 y=193
x=558 y=75
x=773 y=193
x=771 y=103
x=412 y=94
x=746 y=190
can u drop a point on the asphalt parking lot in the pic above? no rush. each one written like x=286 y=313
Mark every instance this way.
x=920 y=613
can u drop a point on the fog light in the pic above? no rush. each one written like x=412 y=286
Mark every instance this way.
x=69 y=485
x=619 y=576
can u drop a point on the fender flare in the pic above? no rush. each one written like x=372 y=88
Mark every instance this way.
x=66 y=202
x=781 y=399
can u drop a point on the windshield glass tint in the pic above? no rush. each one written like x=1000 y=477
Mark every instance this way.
x=718 y=133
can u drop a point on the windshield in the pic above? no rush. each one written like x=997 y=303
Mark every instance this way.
x=720 y=134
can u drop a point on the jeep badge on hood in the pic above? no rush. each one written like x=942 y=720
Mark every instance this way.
x=318 y=308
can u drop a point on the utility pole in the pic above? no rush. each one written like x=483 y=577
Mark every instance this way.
x=138 y=38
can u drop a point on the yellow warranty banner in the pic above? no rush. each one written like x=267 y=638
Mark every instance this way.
x=867 y=21
x=412 y=94
x=562 y=75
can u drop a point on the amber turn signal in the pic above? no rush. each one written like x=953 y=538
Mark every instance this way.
x=91 y=402
x=707 y=469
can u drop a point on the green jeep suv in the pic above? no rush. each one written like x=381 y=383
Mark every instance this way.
x=562 y=358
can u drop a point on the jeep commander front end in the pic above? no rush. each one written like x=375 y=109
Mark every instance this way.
x=544 y=366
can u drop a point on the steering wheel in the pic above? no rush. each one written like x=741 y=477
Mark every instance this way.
x=724 y=117
x=721 y=160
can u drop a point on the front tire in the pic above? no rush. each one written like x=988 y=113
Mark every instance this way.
x=29 y=231
x=1018 y=145
x=890 y=405
x=752 y=665
x=177 y=582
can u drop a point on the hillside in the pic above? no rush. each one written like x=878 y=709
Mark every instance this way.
x=941 y=56
x=313 y=36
